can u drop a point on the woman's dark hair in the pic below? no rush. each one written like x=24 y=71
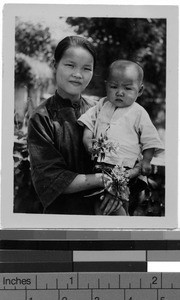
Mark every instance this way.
x=73 y=41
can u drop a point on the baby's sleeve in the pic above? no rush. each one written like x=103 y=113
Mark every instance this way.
x=89 y=118
x=149 y=136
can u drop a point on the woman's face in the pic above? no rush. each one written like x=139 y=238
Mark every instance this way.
x=74 y=72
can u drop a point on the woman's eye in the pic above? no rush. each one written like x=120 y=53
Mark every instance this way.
x=88 y=69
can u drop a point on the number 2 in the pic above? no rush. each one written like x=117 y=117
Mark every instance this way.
x=154 y=280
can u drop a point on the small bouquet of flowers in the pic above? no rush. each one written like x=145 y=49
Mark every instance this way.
x=118 y=185
x=101 y=146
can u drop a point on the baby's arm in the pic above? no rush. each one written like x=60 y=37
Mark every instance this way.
x=149 y=140
x=142 y=167
x=88 y=139
x=146 y=161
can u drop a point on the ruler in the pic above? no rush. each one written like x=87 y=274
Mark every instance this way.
x=90 y=286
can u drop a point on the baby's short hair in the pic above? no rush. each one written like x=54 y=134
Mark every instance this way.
x=123 y=64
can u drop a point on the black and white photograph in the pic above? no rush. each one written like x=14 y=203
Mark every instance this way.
x=90 y=117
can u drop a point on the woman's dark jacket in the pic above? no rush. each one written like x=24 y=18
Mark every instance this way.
x=57 y=155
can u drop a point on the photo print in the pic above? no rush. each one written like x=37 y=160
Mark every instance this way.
x=87 y=122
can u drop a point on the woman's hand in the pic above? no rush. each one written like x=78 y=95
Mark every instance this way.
x=109 y=203
x=107 y=182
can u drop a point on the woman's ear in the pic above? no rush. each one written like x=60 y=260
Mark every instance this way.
x=141 y=90
x=54 y=64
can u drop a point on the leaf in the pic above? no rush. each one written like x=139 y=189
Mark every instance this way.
x=95 y=193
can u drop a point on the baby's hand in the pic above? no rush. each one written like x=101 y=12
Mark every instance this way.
x=145 y=167
x=88 y=146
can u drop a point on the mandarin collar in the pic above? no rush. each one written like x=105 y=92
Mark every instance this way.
x=66 y=102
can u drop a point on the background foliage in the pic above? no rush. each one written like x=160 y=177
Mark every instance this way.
x=140 y=40
x=33 y=53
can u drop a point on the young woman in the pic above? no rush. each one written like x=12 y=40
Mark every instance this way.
x=60 y=168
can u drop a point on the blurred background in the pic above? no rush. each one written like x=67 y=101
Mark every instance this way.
x=142 y=40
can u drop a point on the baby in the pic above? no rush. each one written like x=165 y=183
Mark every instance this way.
x=123 y=121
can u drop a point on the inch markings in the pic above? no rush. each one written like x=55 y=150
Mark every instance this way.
x=90 y=286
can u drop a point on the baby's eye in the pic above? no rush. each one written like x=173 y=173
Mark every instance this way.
x=113 y=86
x=128 y=88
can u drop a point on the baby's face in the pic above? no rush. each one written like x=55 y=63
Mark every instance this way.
x=123 y=86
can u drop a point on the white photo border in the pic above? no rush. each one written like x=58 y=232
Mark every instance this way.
x=9 y=219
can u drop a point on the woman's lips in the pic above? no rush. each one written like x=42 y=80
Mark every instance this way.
x=75 y=83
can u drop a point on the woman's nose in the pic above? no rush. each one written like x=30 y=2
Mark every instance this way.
x=77 y=74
